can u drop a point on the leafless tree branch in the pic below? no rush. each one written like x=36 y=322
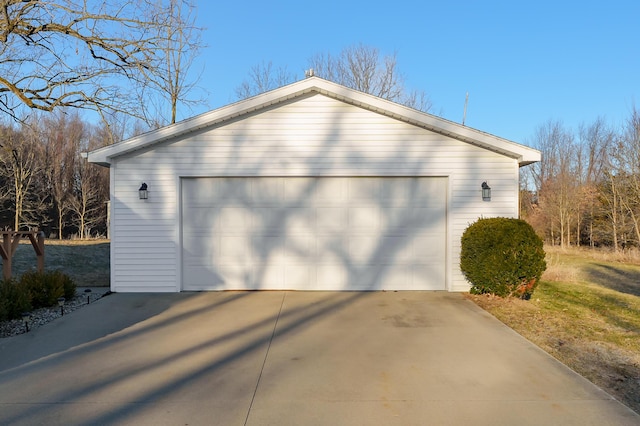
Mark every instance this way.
x=79 y=53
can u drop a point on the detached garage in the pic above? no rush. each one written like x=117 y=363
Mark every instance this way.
x=312 y=186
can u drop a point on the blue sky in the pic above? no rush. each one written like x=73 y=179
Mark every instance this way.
x=522 y=63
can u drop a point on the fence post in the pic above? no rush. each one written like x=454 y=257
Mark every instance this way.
x=40 y=251
x=5 y=251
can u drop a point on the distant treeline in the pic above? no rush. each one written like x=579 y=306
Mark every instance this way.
x=586 y=189
x=46 y=184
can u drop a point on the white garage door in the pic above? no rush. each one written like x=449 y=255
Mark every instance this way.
x=352 y=233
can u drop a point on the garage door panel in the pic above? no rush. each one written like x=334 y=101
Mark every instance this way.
x=427 y=277
x=200 y=218
x=270 y=275
x=362 y=248
x=333 y=276
x=380 y=277
x=232 y=190
x=381 y=250
x=268 y=219
x=432 y=216
x=203 y=278
x=265 y=247
x=276 y=253
x=363 y=219
x=281 y=221
x=396 y=192
x=394 y=276
x=227 y=271
x=428 y=192
x=299 y=192
x=322 y=233
x=300 y=277
x=196 y=244
x=332 y=219
x=401 y=251
x=427 y=248
x=300 y=247
x=328 y=192
x=331 y=248
x=301 y=221
x=396 y=219
x=267 y=191
x=364 y=190
x=232 y=220
x=235 y=247
x=205 y=194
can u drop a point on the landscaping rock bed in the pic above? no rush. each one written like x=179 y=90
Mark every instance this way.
x=42 y=316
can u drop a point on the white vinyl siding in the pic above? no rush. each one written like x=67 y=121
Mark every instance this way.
x=308 y=136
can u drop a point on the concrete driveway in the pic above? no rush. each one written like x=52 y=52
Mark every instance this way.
x=290 y=358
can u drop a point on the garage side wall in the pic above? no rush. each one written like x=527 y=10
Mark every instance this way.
x=311 y=136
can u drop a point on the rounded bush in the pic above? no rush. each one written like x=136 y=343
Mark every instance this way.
x=502 y=256
x=14 y=300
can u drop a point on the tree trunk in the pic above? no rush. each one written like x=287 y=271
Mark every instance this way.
x=59 y=223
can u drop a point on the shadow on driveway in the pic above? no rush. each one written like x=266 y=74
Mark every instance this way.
x=257 y=358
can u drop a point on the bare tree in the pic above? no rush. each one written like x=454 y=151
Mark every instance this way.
x=169 y=84
x=262 y=78
x=77 y=53
x=62 y=136
x=612 y=192
x=359 y=67
x=626 y=164
x=363 y=68
x=593 y=153
x=91 y=186
x=20 y=164
x=556 y=180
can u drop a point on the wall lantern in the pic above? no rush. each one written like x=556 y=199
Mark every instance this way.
x=486 y=192
x=144 y=193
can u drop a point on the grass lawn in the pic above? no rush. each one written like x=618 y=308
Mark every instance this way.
x=86 y=262
x=586 y=313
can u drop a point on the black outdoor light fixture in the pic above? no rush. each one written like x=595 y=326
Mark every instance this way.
x=26 y=318
x=87 y=291
x=486 y=191
x=61 y=304
x=144 y=193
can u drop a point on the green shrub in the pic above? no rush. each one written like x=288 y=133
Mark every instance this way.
x=67 y=284
x=502 y=256
x=46 y=287
x=14 y=300
x=42 y=293
x=34 y=283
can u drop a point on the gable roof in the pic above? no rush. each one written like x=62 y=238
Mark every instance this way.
x=523 y=154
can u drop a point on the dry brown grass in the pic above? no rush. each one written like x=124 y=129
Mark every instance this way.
x=586 y=313
x=628 y=256
x=90 y=242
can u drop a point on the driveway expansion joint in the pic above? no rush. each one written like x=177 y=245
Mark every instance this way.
x=266 y=355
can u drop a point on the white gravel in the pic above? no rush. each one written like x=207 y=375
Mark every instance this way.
x=42 y=316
